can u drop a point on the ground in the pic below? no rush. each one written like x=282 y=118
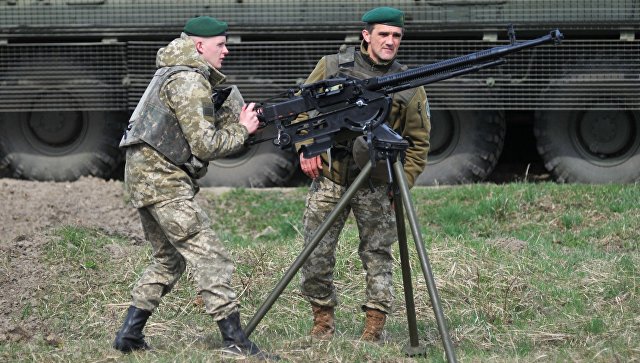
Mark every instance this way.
x=29 y=212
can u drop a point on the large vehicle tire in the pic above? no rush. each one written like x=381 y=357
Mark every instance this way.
x=465 y=146
x=61 y=145
x=590 y=146
x=259 y=166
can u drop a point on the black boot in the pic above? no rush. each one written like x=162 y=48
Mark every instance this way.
x=236 y=342
x=130 y=336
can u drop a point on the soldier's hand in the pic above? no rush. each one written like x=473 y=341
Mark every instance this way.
x=311 y=167
x=249 y=117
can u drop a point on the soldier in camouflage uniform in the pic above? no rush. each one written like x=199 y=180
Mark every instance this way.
x=174 y=131
x=333 y=171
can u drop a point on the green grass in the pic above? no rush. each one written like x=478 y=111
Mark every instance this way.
x=525 y=272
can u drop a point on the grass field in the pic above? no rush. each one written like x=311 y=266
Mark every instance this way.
x=525 y=272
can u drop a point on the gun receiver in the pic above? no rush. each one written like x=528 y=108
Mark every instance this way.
x=344 y=108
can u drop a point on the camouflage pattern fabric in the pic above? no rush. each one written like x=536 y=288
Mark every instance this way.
x=179 y=233
x=178 y=230
x=229 y=111
x=154 y=123
x=377 y=228
x=149 y=176
x=372 y=210
x=409 y=116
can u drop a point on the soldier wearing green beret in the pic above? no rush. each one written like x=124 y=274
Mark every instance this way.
x=174 y=132
x=333 y=172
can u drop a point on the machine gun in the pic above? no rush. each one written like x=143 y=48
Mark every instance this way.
x=343 y=108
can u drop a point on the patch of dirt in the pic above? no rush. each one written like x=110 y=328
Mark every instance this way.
x=30 y=212
x=29 y=207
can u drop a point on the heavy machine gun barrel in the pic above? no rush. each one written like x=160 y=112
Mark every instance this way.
x=341 y=108
x=346 y=108
x=382 y=82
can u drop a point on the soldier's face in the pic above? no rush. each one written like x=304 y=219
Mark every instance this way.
x=384 y=41
x=213 y=49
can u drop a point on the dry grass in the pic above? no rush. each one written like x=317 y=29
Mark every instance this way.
x=525 y=272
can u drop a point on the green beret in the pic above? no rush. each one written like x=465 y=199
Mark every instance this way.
x=384 y=15
x=205 y=26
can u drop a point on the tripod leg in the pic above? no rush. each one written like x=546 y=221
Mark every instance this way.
x=306 y=252
x=401 y=180
x=414 y=345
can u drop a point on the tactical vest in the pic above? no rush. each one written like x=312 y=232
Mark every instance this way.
x=153 y=123
x=343 y=64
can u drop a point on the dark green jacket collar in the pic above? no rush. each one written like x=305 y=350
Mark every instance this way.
x=382 y=67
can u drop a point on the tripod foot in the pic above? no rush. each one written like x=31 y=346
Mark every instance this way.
x=412 y=351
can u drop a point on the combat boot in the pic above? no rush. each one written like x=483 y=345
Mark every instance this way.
x=323 y=322
x=373 y=325
x=236 y=342
x=130 y=336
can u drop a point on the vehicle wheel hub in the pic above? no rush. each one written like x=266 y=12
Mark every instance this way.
x=55 y=128
x=605 y=134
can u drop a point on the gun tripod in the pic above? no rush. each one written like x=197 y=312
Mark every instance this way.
x=401 y=199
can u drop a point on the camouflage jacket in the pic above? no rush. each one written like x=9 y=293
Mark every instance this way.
x=409 y=115
x=150 y=177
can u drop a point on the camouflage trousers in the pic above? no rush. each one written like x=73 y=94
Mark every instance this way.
x=179 y=232
x=377 y=229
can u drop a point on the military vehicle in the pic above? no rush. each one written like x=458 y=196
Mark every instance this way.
x=72 y=71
